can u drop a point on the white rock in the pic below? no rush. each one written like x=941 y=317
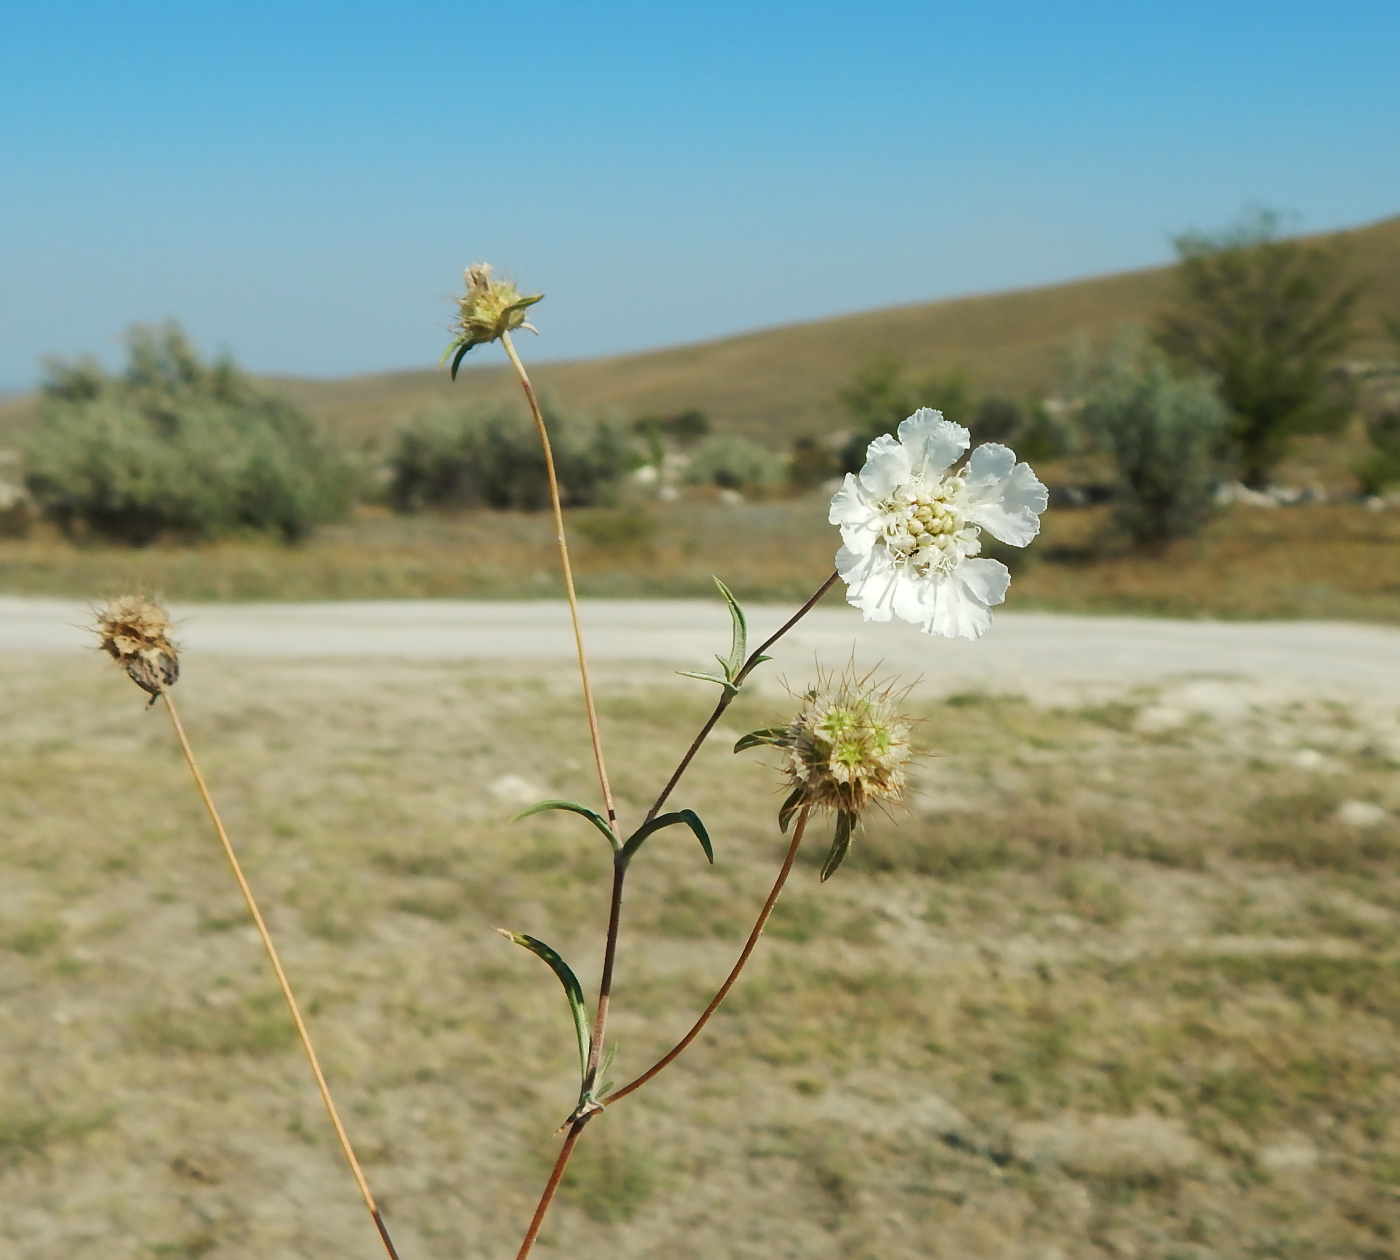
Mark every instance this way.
x=1161 y=717
x=511 y=789
x=1138 y=1145
x=1360 y=814
x=1290 y=1152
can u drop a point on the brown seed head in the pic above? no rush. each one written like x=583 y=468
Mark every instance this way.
x=135 y=632
x=488 y=309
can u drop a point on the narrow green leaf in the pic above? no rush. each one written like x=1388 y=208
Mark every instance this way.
x=572 y=989
x=739 y=644
x=764 y=735
x=574 y=807
x=788 y=808
x=840 y=844
x=687 y=816
x=703 y=677
x=458 y=357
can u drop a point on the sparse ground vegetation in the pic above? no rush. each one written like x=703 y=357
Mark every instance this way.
x=1315 y=560
x=1123 y=982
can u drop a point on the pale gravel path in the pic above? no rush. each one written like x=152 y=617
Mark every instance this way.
x=1036 y=654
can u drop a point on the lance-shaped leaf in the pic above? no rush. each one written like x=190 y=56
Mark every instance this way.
x=732 y=665
x=687 y=816
x=739 y=641
x=574 y=807
x=572 y=988
x=764 y=735
x=789 y=807
x=840 y=844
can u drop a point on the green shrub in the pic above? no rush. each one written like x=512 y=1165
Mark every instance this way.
x=494 y=460
x=734 y=463
x=879 y=397
x=1379 y=471
x=175 y=446
x=1164 y=435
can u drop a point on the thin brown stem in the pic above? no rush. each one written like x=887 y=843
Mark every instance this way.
x=555 y=1177
x=281 y=975
x=728 y=696
x=675 y=1052
x=593 y=731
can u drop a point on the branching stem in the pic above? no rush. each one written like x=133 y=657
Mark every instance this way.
x=728 y=696
x=675 y=1052
x=281 y=975
x=600 y=1022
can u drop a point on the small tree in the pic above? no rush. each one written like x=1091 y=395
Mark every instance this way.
x=1266 y=319
x=879 y=396
x=175 y=445
x=1163 y=434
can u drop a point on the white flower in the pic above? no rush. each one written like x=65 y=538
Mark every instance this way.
x=911 y=527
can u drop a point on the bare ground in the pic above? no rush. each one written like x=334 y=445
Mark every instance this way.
x=1123 y=982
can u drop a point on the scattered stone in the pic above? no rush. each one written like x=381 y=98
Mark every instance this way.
x=1108 y=1146
x=1309 y=759
x=1360 y=814
x=1161 y=717
x=1291 y=1152
x=511 y=789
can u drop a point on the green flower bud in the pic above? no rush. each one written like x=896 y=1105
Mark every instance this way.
x=846 y=750
x=489 y=309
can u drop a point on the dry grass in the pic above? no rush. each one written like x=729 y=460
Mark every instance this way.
x=1110 y=988
x=1320 y=561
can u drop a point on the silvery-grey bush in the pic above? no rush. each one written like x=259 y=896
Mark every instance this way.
x=1164 y=435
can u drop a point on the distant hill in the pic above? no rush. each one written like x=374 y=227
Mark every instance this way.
x=778 y=383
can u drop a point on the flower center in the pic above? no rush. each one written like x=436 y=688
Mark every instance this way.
x=925 y=527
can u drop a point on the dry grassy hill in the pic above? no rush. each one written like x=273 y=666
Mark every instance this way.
x=780 y=382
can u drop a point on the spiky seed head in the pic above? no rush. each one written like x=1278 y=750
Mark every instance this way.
x=848 y=746
x=135 y=632
x=846 y=750
x=487 y=310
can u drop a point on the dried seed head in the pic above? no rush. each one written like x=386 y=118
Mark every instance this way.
x=135 y=632
x=846 y=750
x=488 y=309
x=848 y=747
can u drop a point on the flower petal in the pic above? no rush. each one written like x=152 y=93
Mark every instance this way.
x=886 y=466
x=1002 y=496
x=858 y=518
x=986 y=580
x=933 y=443
x=958 y=613
x=870 y=580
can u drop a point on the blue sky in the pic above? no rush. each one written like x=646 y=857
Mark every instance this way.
x=301 y=183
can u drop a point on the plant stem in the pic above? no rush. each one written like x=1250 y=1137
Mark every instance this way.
x=620 y=866
x=675 y=1052
x=728 y=696
x=555 y=1177
x=593 y=731
x=281 y=975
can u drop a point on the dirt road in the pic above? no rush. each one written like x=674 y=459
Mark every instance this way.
x=1032 y=653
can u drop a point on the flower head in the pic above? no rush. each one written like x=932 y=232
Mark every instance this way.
x=846 y=750
x=489 y=309
x=911 y=528
x=136 y=634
